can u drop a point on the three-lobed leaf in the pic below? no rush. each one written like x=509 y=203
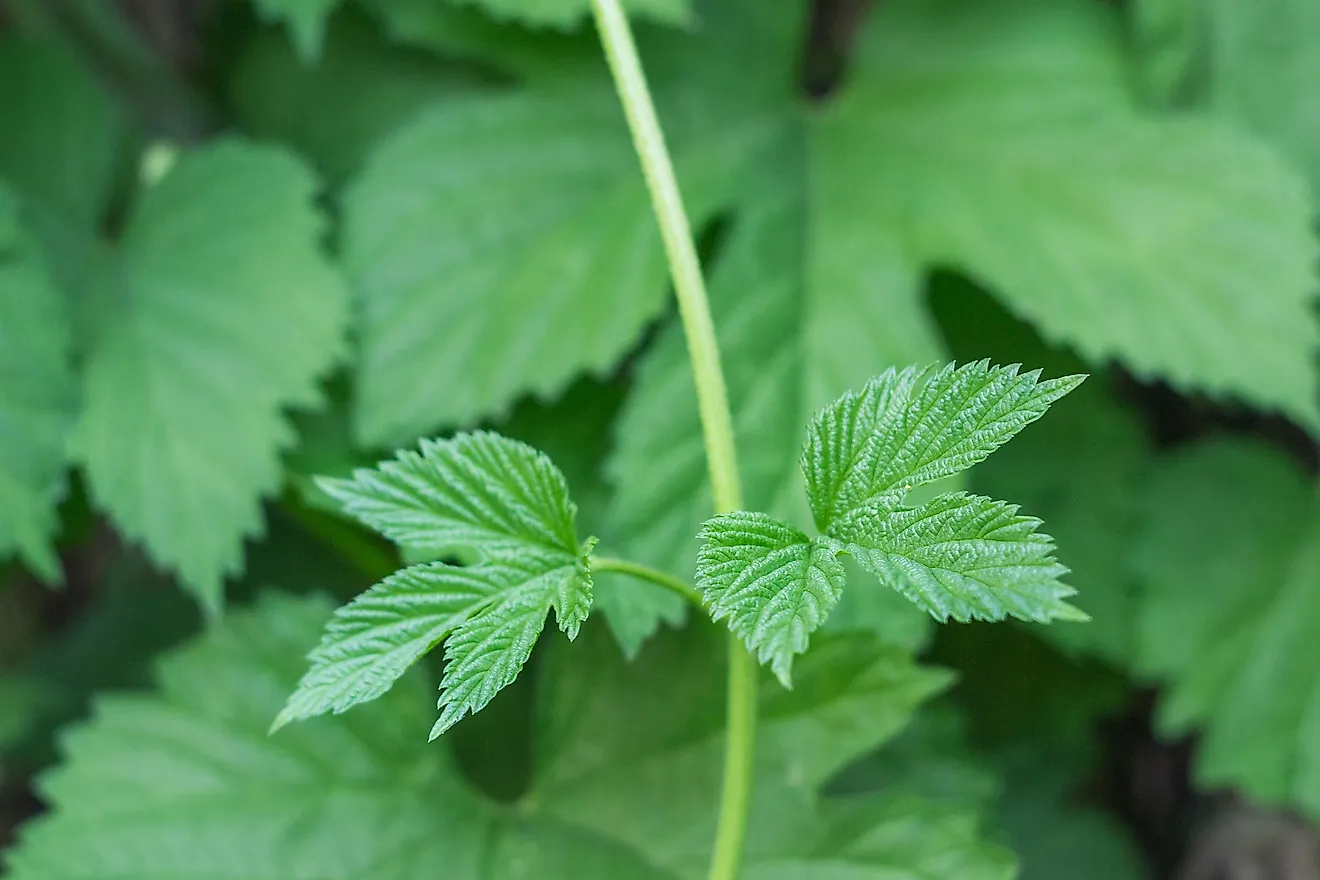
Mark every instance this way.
x=956 y=556
x=478 y=491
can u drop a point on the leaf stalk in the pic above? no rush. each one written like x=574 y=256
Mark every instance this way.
x=646 y=573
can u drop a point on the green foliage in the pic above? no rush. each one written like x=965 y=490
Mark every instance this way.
x=334 y=112
x=957 y=555
x=1113 y=230
x=1230 y=556
x=868 y=449
x=60 y=143
x=773 y=584
x=1082 y=466
x=194 y=311
x=37 y=395
x=366 y=809
x=1213 y=55
x=248 y=250
x=480 y=491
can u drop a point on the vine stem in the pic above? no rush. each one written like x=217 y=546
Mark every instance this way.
x=712 y=402
x=646 y=573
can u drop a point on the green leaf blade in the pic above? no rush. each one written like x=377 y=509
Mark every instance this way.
x=217 y=338
x=1114 y=230
x=374 y=639
x=964 y=557
x=1229 y=556
x=911 y=427
x=478 y=490
x=489 y=650
x=772 y=584
x=481 y=491
x=38 y=395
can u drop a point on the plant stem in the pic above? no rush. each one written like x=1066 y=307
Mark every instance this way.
x=712 y=402
x=646 y=573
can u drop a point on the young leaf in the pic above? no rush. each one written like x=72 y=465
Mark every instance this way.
x=773 y=584
x=1229 y=557
x=912 y=427
x=213 y=336
x=37 y=395
x=477 y=490
x=965 y=557
x=958 y=555
x=481 y=491
x=625 y=784
x=491 y=615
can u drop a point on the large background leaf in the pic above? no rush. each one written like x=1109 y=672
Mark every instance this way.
x=37 y=394
x=337 y=797
x=219 y=311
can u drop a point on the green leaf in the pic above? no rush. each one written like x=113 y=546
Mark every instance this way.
x=1054 y=832
x=476 y=288
x=1229 y=556
x=1251 y=63
x=428 y=243
x=574 y=432
x=1115 y=232
x=1080 y=470
x=894 y=837
x=770 y=582
x=1168 y=40
x=783 y=360
x=61 y=139
x=610 y=730
x=477 y=490
x=480 y=491
x=912 y=427
x=37 y=396
x=1263 y=70
x=489 y=616
x=306 y=20
x=213 y=337
x=338 y=797
x=464 y=31
x=958 y=555
x=335 y=112
x=963 y=557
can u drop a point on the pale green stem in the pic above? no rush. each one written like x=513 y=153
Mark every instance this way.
x=712 y=402
x=646 y=573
